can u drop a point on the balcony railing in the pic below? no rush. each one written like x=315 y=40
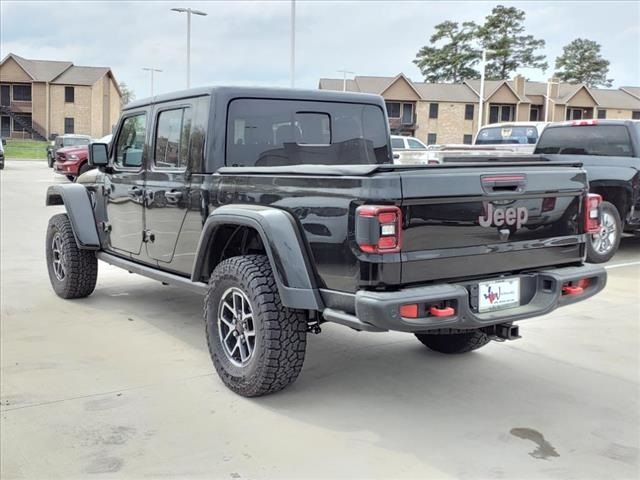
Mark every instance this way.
x=21 y=107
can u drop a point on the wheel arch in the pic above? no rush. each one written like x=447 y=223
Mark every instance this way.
x=615 y=192
x=279 y=239
x=78 y=205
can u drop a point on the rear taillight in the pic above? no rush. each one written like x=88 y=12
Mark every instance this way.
x=379 y=228
x=592 y=213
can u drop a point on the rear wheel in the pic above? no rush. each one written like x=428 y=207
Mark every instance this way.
x=73 y=272
x=603 y=245
x=50 y=161
x=454 y=342
x=257 y=345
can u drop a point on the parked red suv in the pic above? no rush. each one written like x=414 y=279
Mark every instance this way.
x=72 y=161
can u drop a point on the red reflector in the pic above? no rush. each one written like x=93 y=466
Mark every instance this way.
x=442 y=312
x=583 y=283
x=548 y=204
x=410 y=310
x=388 y=217
x=386 y=242
x=572 y=290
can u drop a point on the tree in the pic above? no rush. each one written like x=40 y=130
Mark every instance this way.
x=503 y=34
x=128 y=95
x=454 y=59
x=581 y=62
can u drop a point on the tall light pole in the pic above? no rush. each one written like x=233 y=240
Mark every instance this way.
x=151 y=69
x=292 y=59
x=189 y=11
x=344 y=78
x=483 y=68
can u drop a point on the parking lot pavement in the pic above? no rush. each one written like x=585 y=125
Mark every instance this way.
x=121 y=383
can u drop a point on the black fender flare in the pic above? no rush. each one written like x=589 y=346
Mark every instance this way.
x=77 y=202
x=283 y=244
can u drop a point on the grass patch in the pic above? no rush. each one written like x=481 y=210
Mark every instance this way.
x=31 y=149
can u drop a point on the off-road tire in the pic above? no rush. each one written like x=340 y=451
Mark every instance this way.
x=281 y=333
x=593 y=256
x=454 y=342
x=81 y=266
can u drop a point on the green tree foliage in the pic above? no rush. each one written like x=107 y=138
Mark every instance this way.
x=127 y=94
x=503 y=34
x=451 y=55
x=581 y=62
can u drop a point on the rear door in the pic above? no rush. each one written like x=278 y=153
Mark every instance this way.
x=473 y=220
x=125 y=186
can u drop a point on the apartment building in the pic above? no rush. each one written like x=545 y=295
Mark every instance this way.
x=448 y=112
x=42 y=98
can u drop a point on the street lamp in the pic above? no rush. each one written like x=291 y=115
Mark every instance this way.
x=344 y=78
x=484 y=64
x=189 y=11
x=292 y=59
x=151 y=69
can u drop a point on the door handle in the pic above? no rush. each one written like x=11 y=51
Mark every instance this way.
x=173 y=196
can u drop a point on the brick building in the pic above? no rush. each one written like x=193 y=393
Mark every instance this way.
x=448 y=112
x=39 y=98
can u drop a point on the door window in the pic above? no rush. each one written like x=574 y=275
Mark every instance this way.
x=172 y=138
x=130 y=145
x=397 y=143
x=415 y=144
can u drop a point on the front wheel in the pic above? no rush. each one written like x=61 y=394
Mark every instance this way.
x=73 y=272
x=50 y=161
x=454 y=342
x=257 y=345
x=603 y=245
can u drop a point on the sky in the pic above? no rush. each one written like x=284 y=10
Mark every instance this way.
x=248 y=43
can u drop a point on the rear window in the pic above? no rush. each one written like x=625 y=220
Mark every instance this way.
x=290 y=132
x=507 y=136
x=75 y=141
x=600 y=140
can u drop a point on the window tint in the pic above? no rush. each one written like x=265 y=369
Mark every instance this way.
x=289 y=132
x=415 y=144
x=70 y=141
x=69 y=94
x=433 y=110
x=22 y=93
x=172 y=138
x=468 y=112
x=69 y=125
x=131 y=140
x=393 y=109
x=397 y=143
x=599 y=140
x=507 y=135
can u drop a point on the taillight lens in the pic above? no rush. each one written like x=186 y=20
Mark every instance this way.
x=379 y=228
x=592 y=213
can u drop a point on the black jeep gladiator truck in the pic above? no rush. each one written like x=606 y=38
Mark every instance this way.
x=610 y=153
x=284 y=209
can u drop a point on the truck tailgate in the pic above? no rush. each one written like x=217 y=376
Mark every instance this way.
x=487 y=218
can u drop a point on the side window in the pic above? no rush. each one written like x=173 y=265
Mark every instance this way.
x=397 y=143
x=415 y=144
x=172 y=138
x=130 y=147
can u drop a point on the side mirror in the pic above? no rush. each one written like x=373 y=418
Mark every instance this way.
x=98 y=154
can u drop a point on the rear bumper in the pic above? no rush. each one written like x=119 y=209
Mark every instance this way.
x=541 y=293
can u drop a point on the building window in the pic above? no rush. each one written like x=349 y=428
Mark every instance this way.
x=433 y=110
x=432 y=138
x=69 y=125
x=467 y=139
x=22 y=93
x=635 y=115
x=22 y=122
x=534 y=113
x=602 y=114
x=501 y=113
x=407 y=113
x=393 y=109
x=468 y=112
x=69 y=94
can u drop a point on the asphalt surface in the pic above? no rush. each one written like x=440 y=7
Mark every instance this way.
x=120 y=385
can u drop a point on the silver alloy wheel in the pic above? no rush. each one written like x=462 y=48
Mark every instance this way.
x=605 y=239
x=236 y=328
x=57 y=257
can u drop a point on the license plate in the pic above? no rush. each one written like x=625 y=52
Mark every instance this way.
x=498 y=294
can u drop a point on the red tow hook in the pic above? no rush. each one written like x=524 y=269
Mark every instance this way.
x=572 y=290
x=442 y=312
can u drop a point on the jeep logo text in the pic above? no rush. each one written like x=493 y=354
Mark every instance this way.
x=504 y=216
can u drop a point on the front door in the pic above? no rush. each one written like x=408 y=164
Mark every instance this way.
x=125 y=186
x=5 y=126
x=167 y=183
